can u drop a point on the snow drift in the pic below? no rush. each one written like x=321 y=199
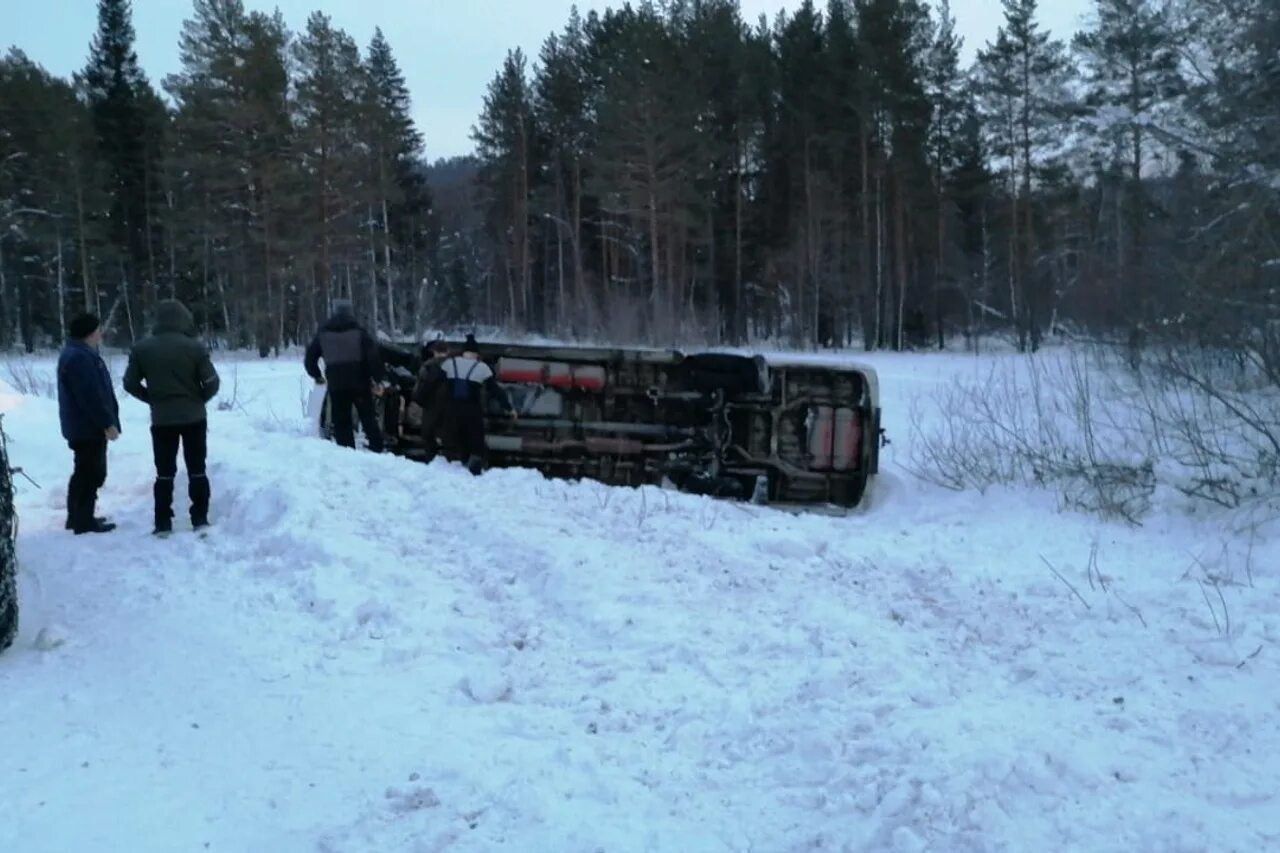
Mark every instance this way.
x=371 y=654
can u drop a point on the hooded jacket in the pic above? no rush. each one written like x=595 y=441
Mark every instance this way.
x=171 y=370
x=352 y=361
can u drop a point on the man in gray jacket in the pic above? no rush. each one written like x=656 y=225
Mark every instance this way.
x=354 y=372
x=171 y=371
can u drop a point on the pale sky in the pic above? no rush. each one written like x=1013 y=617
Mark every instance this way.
x=448 y=51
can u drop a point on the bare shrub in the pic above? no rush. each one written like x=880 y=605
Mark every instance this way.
x=1047 y=421
x=25 y=379
x=229 y=397
x=1105 y=431
x=1216 y=414
x=228 y=402
x=961 y=450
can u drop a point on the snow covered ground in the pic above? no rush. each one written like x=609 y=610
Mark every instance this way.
x=368 y=654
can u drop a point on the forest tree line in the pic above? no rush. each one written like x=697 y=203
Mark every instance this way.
x=283 y=171
x=666 y=172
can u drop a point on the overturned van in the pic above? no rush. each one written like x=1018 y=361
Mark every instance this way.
x=764 y=428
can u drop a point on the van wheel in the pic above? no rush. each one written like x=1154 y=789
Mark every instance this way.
x=8 y=553
x=8 y=616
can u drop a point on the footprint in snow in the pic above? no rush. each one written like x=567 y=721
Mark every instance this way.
x=487 y=686
x=415 y=799
x=790 y=549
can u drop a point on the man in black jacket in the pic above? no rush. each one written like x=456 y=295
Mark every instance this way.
x=90 y=418
x=353 y=372
x=430 y=392
x=171 y=371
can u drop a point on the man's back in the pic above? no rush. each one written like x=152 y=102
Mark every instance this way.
x=341 y=342
x=351 y=359
x=428 y=389
x=175 y=366
x=465 y=377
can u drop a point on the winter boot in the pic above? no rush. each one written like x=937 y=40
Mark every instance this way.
x=164 y=505
x=95 y=526
x=87 y=522
x=81 y=517
x=198 y=491
x=74 y=512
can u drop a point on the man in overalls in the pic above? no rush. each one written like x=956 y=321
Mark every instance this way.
x=467 y=379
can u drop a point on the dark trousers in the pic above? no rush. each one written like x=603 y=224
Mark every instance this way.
x=432 y=433
x=391 y=402
x=87 y=476
x=464 y=437
x=340 y=405
x=165 y=440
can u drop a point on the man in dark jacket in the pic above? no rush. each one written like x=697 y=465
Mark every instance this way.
x=90 y=417
x=430 y=393
x=467 y=378
x=172 y=373
x=353 y=372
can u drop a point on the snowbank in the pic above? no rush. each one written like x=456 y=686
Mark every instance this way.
x=371 y=654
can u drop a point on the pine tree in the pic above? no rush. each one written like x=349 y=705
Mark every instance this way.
x=328 y=95
x=645 y=123
x=971 y=188
x=504 y=145
x=799 y=182
x=1130 y=57
x=715 y=46
x=945 y=88
x=895 y=39
x=846 y=141
x=50 y=202
x=208 y=155
x=457 y=310
x=562 y=94
x=268 y=142
x=1023 y=77
x=459 y=218
x=238 y=185
x=119 y=97
x=394 y=144
x=1232 y=132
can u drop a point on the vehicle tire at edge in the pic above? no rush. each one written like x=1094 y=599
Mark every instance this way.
x=8 y=552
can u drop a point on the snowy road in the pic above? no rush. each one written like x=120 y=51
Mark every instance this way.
x=370 y=654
